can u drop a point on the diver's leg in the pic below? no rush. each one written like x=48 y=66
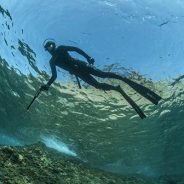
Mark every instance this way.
x=144 y=91
x=92 y=81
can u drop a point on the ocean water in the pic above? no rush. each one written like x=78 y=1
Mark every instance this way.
x=139 y=39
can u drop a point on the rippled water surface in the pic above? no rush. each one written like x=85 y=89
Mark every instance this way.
x=140 y=39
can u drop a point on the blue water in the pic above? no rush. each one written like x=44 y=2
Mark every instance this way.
x=143 y=40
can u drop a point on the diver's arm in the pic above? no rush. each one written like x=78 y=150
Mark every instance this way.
x=75 y=49
x=52 y=79
x=54 y=73
x=79 y=51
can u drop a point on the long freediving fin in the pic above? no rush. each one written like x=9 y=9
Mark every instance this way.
x=132 y=103
x=142 y=90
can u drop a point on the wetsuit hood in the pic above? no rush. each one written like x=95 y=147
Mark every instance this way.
x=49 y=45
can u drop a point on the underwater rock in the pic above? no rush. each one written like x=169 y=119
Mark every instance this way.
x=38 y=164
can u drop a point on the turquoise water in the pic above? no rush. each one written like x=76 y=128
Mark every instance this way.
x=97 y=127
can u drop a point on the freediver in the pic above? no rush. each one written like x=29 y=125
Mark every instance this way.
x=85 y=71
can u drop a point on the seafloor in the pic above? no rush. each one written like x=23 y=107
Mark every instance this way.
x=37 y=164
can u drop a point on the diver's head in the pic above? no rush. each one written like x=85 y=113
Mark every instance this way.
x=50 y=46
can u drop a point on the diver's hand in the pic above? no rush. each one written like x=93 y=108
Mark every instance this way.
x=44 y=87
x=91 y=61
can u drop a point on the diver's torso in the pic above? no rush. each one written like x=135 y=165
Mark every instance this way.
x=62 y=59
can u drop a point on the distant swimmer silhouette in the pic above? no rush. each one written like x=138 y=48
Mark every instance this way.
x=85 y=71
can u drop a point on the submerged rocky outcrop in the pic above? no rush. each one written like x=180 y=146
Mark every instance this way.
x=37 y=164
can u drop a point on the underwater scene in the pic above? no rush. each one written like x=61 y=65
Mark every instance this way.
x=91 y=92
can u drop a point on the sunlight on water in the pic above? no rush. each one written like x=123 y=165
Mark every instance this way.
x=53 y=142
x=8 y=140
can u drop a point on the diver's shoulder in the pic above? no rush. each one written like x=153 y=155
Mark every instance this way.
x=61 y=47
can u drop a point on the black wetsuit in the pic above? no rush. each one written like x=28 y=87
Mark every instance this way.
x=81 y=69
x=62 y=59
